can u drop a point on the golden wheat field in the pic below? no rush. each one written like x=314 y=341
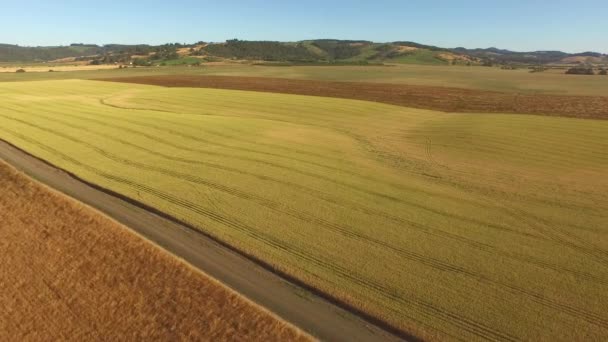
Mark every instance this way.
x=451 y=226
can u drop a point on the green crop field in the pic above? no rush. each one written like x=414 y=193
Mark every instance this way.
x=451 y=226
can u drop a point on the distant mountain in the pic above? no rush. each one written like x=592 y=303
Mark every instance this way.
x=15 y=53
x=309 y=51
x=534 y=57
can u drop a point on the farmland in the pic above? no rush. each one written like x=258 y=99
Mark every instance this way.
x=69 y=273
x=455 y=100
x=552 y=81
x=450 y=226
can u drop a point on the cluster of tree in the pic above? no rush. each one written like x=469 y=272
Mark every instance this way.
x=156 y=55
x=141 y=62
x=506 y=56
x=385 y=51
x=586 y=70
x=580 y=70
x=340 y=49
x=140 y=49
x=262 y=50
x=487 y=62
x=15 y=53
x=538 y=68
x=84 y=45
x=123 y=58
x=166 y=52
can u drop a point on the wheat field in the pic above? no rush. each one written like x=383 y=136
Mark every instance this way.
x=450 y=226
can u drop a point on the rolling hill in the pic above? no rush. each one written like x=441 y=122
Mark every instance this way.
x=309 y=51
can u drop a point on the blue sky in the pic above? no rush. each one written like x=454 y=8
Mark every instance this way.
x=517 y=25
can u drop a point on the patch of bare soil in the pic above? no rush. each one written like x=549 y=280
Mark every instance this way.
x=426 y=97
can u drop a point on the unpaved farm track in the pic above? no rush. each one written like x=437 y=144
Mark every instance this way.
x=425 y=97
x=313 y=314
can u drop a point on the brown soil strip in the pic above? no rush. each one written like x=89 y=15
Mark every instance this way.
x=70 y=273
x=102 y=256
x=425 y=97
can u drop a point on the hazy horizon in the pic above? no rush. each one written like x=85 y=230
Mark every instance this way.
x=286 y=41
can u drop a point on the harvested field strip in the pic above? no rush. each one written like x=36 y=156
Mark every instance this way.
x=435 y=98
x=59 y=281
x=422 y=235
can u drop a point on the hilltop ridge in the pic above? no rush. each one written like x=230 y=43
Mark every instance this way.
x=307 y=51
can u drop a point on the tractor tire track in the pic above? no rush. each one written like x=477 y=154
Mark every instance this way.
x=453 y=216
x=466 y=324
x=309 y=174
x=344 y=230
x=354 y=206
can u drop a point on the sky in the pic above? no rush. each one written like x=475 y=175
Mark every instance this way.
x=516 y=25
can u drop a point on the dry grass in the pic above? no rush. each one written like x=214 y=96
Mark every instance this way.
x=450 y=57
x=407 y=48
x=68 y=273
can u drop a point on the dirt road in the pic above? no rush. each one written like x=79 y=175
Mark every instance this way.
x=318 y=316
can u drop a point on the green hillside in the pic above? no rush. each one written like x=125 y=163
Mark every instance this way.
x=308 y=51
